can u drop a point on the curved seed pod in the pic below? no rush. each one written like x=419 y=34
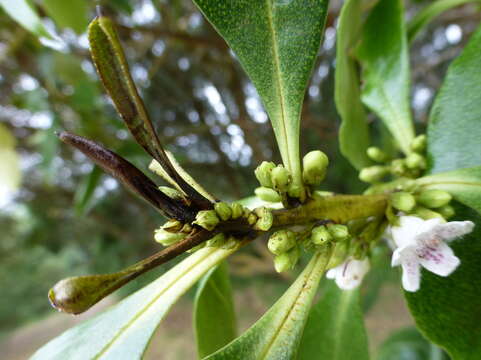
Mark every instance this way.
x=129 y=176
x=113 y=69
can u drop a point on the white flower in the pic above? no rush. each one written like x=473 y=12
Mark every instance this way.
x=423 y=243
x=350 y=273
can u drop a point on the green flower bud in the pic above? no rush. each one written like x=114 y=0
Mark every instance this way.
x=314 y=166
x=237 y=210
x=280 y=178
x=265 y=219
x=217 y=241
x=172 y=226
x=434 y=198
x=403 y=201
x=263 y=173
x=426 y=214
x=267 y=194
x=223 y=210
x=172 y=193
x=419 y=143
x=415 y=161
x=447 y=211
x=295 y=190
x=339 y=232
x=207 y=219
x=251 y=218
x=398 y=167
x=320 y=235
x=187 y=228
x=230 y=243
x=281 y=241
x=287 y=260
x=376 y=154
x=373 y=174
x=167 y=238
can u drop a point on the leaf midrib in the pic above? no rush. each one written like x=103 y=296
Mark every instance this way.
x=277 y=76
x=287 y=316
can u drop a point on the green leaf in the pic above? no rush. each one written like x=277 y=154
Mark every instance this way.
x=124 y=330
x=24 y=13
x=276 y=335
x=454 y=133
x=447 y=310
x=85 y=191
x=409 y=344
x=214 y=315
x=276 y=42
x=71 y=14
x=10 y=174
x=383 y=53
x=354 y=132
x=426 y=15
x=335 y=328
x=463 y=184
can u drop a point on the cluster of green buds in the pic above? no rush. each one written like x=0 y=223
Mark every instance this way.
x=172 y=232
x=427 y=204
x=284 y=245
x=276 y=181
x=409 y=167
x=324 y=234
x=260 y=219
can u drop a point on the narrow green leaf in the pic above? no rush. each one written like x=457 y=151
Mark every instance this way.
x=24 y=13
x=112 y=66
x=354 y=132
x=431 y=11
x=124 y=330
x=463 y=184
x=383 y=53
x=447 y=310
x=409 y=344
x=276 y=335
x=276 y=42
x=214 y=315
x=85 y=191
x=335 y=328
x=454 y=133
x=71 y=14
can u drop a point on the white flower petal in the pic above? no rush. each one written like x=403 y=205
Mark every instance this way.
x=411 y=277
x=332 y=273
x=349 y=274
x=439 y=259
x=405 y=234
x=454 y=229
x=400 y=255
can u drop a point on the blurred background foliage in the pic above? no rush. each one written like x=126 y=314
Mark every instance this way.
x=65 y=217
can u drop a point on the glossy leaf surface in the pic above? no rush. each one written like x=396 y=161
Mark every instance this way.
x=214 y=315
x=354 y=131
x=383 y=53
x=277 y=334
x=335 y=328
x=23 y=12
x=454 y=130
x=276 y=42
